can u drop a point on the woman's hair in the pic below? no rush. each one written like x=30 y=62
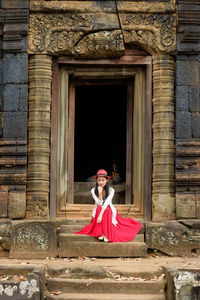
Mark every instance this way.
x=107 y=186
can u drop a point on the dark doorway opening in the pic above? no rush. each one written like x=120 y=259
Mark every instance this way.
x=100 y=129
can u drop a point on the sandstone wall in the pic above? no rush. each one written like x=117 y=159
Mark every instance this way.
x=153 y=30
x=188 y=110
x=14 y=107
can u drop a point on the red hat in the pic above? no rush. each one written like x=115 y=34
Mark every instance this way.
x=102 y=173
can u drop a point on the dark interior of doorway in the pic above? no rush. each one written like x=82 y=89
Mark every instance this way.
x=100 y=130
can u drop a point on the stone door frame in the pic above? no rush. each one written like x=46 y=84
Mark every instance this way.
x=118 y=68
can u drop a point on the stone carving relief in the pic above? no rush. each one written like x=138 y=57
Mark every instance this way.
x=75 y=34
x=157 y=32
x=101 y=44
x=72 y=35
x=57 y=34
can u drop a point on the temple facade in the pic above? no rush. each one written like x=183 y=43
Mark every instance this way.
x=145 y=53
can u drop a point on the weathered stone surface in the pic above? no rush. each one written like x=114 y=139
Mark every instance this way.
x=3 y=204
x=194 y=99
x=185 y=206
x=23 y=97
x=196 y=124
x=30 y=288
x=15 y=125
x=182 y=96
x=98 y=249
x=102 y=44
x=163 y=200
x=101 y=286
x=40 y=72
x=172 y=238
x=187 y=72
x=15 y=68
x=190 y=223
x=33 y=239
x=185 y=130
x=154 y=32
x=11 y=97
x=5 y=233
x=163 y=207
x=198 y=205
x=14 y=4
x=182 y=284
x=74 y=35
x=17 y=205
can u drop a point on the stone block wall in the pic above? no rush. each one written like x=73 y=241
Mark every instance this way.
x=14 y=106
x=188 y=110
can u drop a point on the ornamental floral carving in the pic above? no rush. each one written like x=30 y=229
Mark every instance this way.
x=101 y=44
x=75 y=34
x=156 y=32
x=57 y=34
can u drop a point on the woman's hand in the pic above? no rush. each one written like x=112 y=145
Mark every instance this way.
x=100 y=189
x=99 y=219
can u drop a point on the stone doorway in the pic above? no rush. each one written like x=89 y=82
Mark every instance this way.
x=136 y=80
x=101 y=134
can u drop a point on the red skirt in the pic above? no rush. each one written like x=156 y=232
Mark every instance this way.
x=125 y=230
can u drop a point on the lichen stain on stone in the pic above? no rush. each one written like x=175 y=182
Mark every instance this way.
x=34 y=236
x=1 y=289
x=184 y=278
x=165 y=236
x=9 y=290
x=24 y=287
x=30 y=287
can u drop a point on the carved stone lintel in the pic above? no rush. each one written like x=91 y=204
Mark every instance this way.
x=101 y=44
x=40 y=74
x=67 y=34
x=154 y=32
x=87 y=35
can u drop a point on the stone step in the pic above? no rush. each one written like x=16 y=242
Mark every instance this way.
x=86 y=268
x=91 y=268
x=104 y=286
x=77 y=296
x=101 y=249
x=81 y=211
x=85 y=221
x=70 y=238
x=75 y=228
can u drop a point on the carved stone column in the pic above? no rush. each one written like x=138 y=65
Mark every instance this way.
x=163 y=199
x=40 y=75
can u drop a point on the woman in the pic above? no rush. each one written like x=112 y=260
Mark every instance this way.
x=106 y=223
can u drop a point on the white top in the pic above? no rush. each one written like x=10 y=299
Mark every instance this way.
x=108 y=202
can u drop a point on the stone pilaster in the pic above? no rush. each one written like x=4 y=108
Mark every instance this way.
x=40 y=75
x=163 y=201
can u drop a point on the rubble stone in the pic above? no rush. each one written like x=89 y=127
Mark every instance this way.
x=172 y=238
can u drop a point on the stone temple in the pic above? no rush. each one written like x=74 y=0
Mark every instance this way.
x=85 y=85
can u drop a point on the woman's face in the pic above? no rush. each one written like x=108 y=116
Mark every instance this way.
x=101 y=181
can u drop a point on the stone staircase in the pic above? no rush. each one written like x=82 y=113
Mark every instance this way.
x=98 y=283
x=73 y=245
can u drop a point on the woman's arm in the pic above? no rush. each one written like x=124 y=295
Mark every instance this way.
x=96 y=199
x=107 y=202
x=109 y=198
